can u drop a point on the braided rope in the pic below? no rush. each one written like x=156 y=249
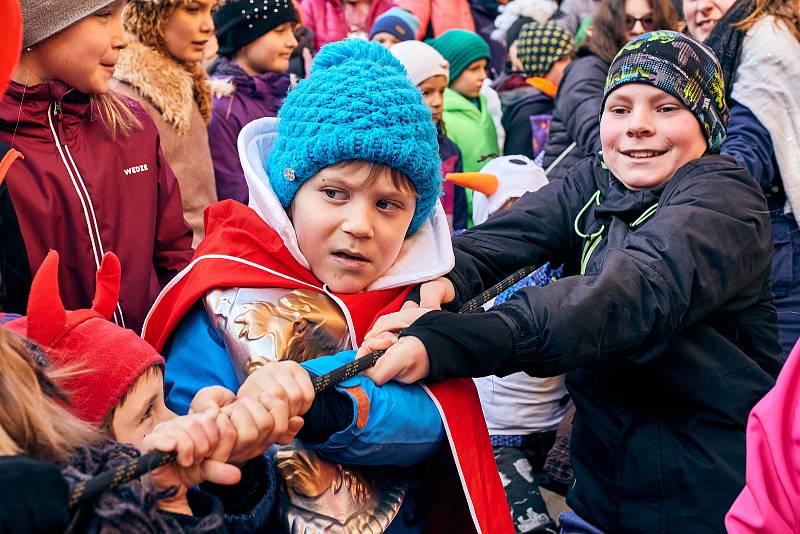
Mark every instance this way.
x=89 y=489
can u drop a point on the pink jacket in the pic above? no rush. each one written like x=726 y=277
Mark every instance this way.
x=769 y=501
x=443 y=15
x=326 y=18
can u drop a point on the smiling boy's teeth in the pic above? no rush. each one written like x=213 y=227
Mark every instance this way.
x=642 y=154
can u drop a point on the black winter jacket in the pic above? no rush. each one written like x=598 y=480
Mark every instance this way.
x=518 y=106
x=669 y=339
x=576 y=117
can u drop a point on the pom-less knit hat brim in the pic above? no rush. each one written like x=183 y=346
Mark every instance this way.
x=240 y=23
x=460 y=48
x=358 y=104
x=421 y=61
x=680 y=66
x=541 y=45
x=44 y=18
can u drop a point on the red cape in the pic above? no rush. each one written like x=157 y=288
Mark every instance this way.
x=241 y=250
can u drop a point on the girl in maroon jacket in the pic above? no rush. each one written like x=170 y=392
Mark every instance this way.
x=91 y=177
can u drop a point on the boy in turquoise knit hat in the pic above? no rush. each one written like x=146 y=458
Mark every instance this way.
x=466 y=114
x=343 y=219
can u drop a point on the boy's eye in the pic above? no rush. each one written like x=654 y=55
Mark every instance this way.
x=147 y=414
x=617 y=110
x=387 y=205
x=334 y=194
x=668 y=108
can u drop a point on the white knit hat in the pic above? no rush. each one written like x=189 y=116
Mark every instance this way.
x=44 y=18
x=516 y=175
x=421 y=61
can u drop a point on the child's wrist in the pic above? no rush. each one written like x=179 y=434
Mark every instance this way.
x=175 y=505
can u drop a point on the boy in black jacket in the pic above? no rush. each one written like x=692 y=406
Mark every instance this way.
x=542 y=52
x=664 y=319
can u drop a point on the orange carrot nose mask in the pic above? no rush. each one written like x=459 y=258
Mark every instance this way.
x=106 y=359
x=502 y=179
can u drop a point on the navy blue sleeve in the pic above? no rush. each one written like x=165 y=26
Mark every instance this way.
x=749 y=143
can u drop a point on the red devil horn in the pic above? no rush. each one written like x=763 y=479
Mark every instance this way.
x=47 y=318
x=107 y=293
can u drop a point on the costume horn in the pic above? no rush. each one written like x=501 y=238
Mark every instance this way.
x=47 y=318
x=477 y=181
x=106 y=294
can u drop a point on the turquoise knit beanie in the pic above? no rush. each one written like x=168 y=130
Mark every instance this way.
x=357 y=104
x=461 y=48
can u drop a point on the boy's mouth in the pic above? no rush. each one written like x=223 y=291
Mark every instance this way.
x=642 y=154
x=349 y=257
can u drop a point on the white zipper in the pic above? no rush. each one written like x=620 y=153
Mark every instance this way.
x=77 y=183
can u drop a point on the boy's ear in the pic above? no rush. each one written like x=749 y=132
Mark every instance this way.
x=47 y=317
x=106 y=293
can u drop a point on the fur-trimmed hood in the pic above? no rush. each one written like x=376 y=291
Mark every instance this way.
x=161 y=80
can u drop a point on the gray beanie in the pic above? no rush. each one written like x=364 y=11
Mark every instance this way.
x=44 y=18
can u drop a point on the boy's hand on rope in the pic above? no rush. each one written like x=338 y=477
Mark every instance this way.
x=433 y=294
x=202 y=441
x=405 y=359
x=281 y=391
x=393 y=323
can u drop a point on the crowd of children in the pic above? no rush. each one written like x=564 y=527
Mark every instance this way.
x=207 y=205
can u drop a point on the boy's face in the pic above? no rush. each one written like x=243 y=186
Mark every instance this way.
x=470 y=81
x=351 y=232
x=433 y=95
x=385 y=39
x=270 y=52
x=142 y=410
x=647 y=134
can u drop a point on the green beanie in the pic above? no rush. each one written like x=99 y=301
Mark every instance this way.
x=460 y=48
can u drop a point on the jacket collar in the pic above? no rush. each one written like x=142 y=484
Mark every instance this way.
x=24 y=109
x=455 y=101
x=163 y=82
x=617 y=200
x=425 y=255
x=227 y=78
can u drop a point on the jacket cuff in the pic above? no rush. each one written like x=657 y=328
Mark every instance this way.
x=468 y=345
x=248 y=504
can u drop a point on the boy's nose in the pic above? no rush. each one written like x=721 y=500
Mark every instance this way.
x=640 y=123
x=358 y=223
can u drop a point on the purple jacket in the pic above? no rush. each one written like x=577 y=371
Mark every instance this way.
x=243 y=99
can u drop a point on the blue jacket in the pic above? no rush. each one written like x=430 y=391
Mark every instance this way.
x=403 y=425
x=750 y=144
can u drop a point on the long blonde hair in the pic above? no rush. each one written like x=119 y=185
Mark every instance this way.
x=145 y=20
x=786 y=10
x=31 y=421
x=115 y=114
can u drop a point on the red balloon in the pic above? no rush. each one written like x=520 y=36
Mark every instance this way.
x=10 y=40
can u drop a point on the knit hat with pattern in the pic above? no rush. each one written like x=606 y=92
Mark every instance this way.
x=357 y=104
x=541 y=45
x=682 y=67
x=241 y=22
x=397 y=22
x=107 y=359
x=44 y=18
x=461 y=48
